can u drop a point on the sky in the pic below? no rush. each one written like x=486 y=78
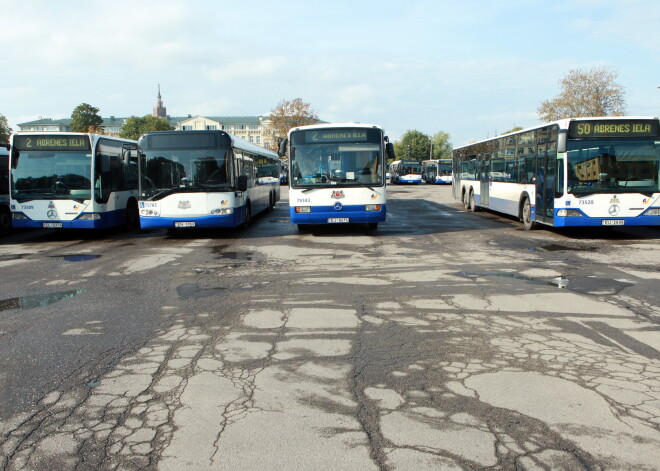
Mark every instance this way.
x=471 y=68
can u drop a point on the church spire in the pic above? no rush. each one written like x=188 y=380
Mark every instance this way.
x=159 y=110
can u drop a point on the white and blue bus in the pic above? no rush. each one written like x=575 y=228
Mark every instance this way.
x=573 y=172
x=437 y=171
x=337 y=174
x=406 y=172
x=204 y=179
x=73 y=181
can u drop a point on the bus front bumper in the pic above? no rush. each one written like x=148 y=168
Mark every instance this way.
x=328 y=215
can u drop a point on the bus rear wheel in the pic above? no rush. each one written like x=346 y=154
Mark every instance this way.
x=526 y=215
x=466 y=201
x=473 y=204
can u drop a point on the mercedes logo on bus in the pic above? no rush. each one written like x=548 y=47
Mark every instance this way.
x=52 y=214
x=614 y=210
x=338 y=206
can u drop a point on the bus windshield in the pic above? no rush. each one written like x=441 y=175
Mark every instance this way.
x=52 y=175
x=613 y=165
x=317 y=161
x=165 y=171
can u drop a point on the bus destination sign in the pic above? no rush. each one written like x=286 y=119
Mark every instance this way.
x=336 y=135
x=613 y=128
x=52 y=142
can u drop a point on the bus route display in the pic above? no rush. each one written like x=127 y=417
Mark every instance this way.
x=585 y=129
x=52 y=142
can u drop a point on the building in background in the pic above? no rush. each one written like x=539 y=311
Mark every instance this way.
x=250 y=128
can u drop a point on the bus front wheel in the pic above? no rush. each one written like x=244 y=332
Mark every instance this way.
x=247 y=216
x=526 y=215
x=473 y=203
x=5 y=221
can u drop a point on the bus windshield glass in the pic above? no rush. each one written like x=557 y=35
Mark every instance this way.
x=613 y=165
x=337 y=157
x=52 y=175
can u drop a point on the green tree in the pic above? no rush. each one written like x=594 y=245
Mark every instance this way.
x=414 y=145
x=442 y=148
x=287 y=115
x=85 y=118
x=593 y=92
x=5 y=130
x=513 y=129
x=134 y=127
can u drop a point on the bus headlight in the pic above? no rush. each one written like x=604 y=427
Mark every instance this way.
x=149 y=212
x=89 y=217
x=19 y=216
x=372 y=207
x=652 y=212
x=303 y=209
x=568 y=213
x=221 y=211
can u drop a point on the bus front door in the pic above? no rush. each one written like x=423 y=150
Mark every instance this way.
x=484 y=177
x=545 y=186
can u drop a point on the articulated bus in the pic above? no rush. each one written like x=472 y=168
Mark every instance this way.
x=406 y=171
x=437 y=171
x=573 y=172
x=204 y=179
x=73 y=181
x=337 y=174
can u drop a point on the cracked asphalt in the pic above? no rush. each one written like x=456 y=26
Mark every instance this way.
x=445 y=340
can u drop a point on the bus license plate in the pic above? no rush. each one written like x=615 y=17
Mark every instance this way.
x=334 y=220
x=184 y=224
x=52 y=225
x=612 y=222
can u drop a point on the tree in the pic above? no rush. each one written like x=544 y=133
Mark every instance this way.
x=85 y=117
x=515 y=129
x=134 y=127
x=594 y=92
x=5 y=130
x=287 y=115
x=414 y=145
x=442 y=148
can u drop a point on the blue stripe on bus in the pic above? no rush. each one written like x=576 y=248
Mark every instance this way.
x=204 y=222
x=355 y=213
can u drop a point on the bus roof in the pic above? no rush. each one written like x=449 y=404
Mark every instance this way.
x=335 y=125
x=237 y=142
x=562 y=123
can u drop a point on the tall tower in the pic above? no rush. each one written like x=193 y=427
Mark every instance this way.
x=159 y=110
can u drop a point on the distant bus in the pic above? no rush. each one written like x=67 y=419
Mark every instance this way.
x=406 y=171
x=5 y=212
x=337 y=174
x=204 y=179
x=437 y=171
x=73 y=181
x=573 y=172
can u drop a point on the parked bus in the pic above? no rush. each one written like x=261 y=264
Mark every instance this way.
x=437 y=171
x=5 y=212
x=204 y=179
x=337 y=174
x=573 y=172
x=73 y=181
x=406 y=171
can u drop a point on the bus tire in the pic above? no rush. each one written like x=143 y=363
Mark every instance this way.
x=372 y=226
x=473 y=203
x=247 y=216
x=466 y=201
x=526 y=215
x=271 y=201
x=303 y=228
x=5 y=221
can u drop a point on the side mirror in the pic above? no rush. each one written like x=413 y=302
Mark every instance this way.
x=15 y=154
x=281 y=151
x=242 y=183
x=389 y=148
